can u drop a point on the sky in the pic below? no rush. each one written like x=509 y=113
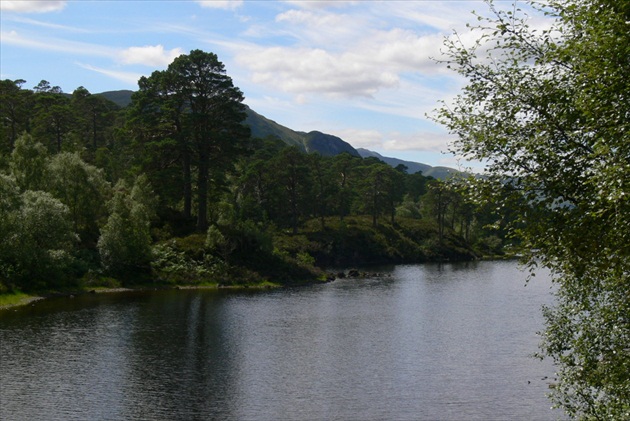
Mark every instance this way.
x=361 y=70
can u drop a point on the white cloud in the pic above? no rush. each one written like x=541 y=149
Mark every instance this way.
x=374 y=139
x=322 y=28
x=130 y=78
x=318 y=20
x=338 y=54
x=420 y=141
x=443 y=16
x=221 y=4
x=321 y=4
x=44 y=24
x=299 y=71
x=57 y=44
x=362 y=70
x=403 y=50
x=361 y=138
x=24 y=6
x=149 y=55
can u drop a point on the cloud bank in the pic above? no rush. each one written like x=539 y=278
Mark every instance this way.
x=24 y=6
x=149 y=55
x=221 y=4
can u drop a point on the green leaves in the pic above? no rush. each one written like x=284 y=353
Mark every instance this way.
x=37 y=238
x=549 y=110
x=189 y=116
x=125 y=242
x=83 y=188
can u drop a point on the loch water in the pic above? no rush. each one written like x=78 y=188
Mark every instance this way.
x=415 y=342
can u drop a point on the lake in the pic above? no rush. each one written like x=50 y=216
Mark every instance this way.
x=420 y=342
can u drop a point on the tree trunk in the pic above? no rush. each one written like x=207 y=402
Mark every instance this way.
x=187 y=184
x=94 y=130
x=202 y=190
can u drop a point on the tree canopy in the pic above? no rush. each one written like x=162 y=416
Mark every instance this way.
x=193 y=108
x=549 y=111
x=173 y=188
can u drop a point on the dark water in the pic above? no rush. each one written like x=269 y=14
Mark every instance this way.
x=429 y=342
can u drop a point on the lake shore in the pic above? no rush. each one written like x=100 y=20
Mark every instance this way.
x=12 y=301
x=7 y=302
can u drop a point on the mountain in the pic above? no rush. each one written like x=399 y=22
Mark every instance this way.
x=440 y=173
x=325 y=144
x=120 y=98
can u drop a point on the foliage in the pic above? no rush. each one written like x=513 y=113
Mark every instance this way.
x=83 y=188
x=14 y=112
x=125 y=241
x=549 y=111
x=194 y=111
x=172 y=264
x=28 y=163
x=194 y=199
x=355 y=241
x=37 y=238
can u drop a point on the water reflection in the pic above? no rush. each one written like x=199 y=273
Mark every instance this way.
x=445 y=342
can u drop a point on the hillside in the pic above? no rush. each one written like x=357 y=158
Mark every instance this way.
x=314 y=141
x=120 y=98
x=441 y=173
x=325 y=144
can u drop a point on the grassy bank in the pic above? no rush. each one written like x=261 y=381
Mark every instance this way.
x=15 y=299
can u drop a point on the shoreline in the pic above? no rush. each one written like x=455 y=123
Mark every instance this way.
x=30 y=299
x=348 y=273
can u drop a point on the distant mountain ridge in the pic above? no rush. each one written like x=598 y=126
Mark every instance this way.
x=121 y=98
x=314 y=141
x=440 y=173
x=325 y=144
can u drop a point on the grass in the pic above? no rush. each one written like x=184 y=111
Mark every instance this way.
x=14 y=299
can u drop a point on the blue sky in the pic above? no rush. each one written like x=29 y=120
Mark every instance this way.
x=361 y=70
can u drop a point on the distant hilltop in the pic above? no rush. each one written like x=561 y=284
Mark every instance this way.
x=440 y=173
x=314 y=141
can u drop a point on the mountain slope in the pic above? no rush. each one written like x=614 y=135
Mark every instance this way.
x=440 y=173
x=120 y=98
x=325 y=144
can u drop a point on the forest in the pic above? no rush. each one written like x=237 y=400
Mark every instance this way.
x=173 y=189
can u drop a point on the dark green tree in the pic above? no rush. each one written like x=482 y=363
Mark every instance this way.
x=200 y=111
x=324 y=188
x=291 y=172
x=15 y=110
x=379 y=190
x=437 y=202
x=157 y=123
x=215 y=119
x=257 y=190
x=343 y=176
x=94 y=117
x=53 y=119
